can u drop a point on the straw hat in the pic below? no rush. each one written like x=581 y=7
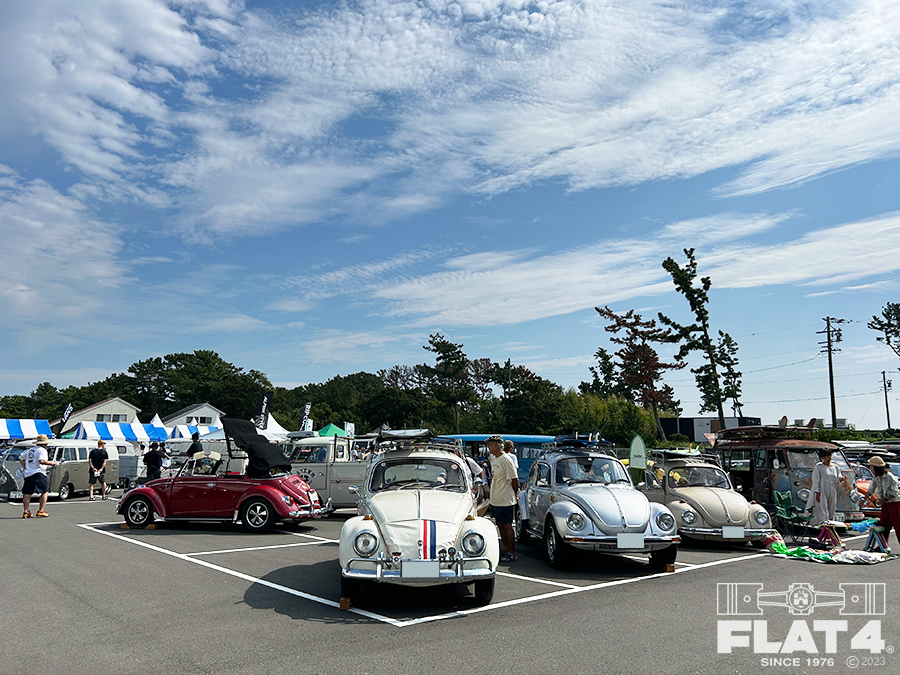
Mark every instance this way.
x=876 y=461
x=42 y=440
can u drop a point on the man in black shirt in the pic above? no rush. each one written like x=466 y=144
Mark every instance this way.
x=154 y=460
x=97 y=469
x=195 y=446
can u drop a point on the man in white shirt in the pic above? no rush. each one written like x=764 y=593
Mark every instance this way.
x=504 y=489
x=33 y=460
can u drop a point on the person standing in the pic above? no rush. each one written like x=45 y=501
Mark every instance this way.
x=33 y=460
x=195 y=445
x=504 y=488
x=154 y=461
x=884 y=484
x=510 y=449
x=97 y=470
x=823 y=494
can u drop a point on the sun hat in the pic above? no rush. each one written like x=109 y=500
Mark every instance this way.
x=42 y=440
x=876 y=461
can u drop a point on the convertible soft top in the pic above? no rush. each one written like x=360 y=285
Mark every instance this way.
x=264 y=458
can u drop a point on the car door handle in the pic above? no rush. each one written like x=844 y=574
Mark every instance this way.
x=210 y=485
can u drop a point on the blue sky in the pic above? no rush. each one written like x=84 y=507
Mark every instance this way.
x=311 y=189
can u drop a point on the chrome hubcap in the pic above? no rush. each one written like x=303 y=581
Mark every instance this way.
x=257 y=514
x=138 y=512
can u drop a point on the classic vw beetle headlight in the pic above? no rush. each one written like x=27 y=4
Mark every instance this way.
x=365 y=543
x=761 y=518
x=665 y=521
x=473 y=543
x=575 y=521
x=688 y=516
x=803 y=495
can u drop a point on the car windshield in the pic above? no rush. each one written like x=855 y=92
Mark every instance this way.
x=427 y=473
x=309 y=453
x=894 y=469
x=590 y=470
x=698 y=476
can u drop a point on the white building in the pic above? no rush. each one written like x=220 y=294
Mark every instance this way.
x=199 y=414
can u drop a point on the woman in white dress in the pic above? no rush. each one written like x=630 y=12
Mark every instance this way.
x=823 y=494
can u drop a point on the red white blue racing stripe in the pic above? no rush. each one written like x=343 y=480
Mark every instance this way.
x=429 y=540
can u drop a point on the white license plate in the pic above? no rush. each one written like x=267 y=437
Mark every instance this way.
x=420 y=569
x=839 y=517
x=15 y=495
x=629 y=540
x=732 y=532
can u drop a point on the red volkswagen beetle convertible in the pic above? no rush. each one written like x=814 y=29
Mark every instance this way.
x=252 y=484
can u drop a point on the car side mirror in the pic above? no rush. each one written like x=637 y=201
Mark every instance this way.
x=353 y=489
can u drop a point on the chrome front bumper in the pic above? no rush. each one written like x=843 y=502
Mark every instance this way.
x=453 y=571
x=717 y=532
x=611 y=543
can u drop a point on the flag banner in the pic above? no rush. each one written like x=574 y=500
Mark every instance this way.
x=66 y=414
x=305 y=418
x=262 y=409
x=350 y=428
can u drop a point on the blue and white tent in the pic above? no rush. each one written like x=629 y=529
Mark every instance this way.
x=108 y=431
x=188 y=430
x=20 y=429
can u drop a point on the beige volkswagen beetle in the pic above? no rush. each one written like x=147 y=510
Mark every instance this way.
x=703 y=501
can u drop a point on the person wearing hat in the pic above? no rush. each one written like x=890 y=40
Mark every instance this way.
x=823 y=493
x=504 y=489
x=884 y=485
x=33 y=460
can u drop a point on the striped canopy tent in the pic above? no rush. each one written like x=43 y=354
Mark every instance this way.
x=188 y=430
x=20 y=429
x=109 y=431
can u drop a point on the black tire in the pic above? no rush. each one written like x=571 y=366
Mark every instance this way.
x=65 y=491
x=350 y=588
x=666 y=556
x=559 y=553
x=522 y=533
x=484 y=591
x=138 y=512
x=258 y=515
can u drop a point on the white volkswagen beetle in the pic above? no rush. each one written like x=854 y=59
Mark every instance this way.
x=417 y=524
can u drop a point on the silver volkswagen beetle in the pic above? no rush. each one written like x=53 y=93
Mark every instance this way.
x=585 y=500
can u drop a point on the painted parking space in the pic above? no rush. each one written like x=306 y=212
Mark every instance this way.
x=300 y=563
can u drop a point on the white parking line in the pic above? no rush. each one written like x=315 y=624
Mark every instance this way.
x=536 y=580
x=263 y=548
x=568 y=589
x=312 y=536
x=241 y=575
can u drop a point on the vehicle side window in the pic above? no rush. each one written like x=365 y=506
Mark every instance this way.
x=651 y=480
x=82 y=454
x=69 y=455
x=543 y=478
x=532 y=475
x=340 y=453
x=319 y=454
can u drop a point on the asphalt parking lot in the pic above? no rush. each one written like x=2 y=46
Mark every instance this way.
x=194 y=597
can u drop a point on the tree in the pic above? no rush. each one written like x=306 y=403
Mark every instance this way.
x=695 y=336
x=605 y=381
x=731 y=378
x=449 y=379
x=639 y=365
x=888 y=324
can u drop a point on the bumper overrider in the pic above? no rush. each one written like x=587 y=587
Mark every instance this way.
x=717 y=532
x=311 y=511
x=455 y=570
x=611 y=543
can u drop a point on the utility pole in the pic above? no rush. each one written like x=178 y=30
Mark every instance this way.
x=887 y=387
x=833 y=336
